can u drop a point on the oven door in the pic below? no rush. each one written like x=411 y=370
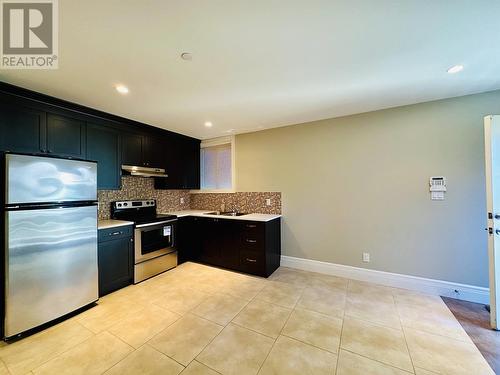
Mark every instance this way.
x=154 y=239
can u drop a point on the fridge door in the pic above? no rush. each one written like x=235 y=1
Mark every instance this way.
x=37 y=179
x=51 y=264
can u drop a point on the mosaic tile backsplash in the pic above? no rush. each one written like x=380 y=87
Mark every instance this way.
x=142 y=188
x=243 y=202
x=169 y=200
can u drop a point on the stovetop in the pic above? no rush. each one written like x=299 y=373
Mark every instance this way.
x=138 y=211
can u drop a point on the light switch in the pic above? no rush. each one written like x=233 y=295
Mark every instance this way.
x=268 y=202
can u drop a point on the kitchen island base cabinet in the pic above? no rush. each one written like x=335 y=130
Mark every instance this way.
x=115 y=259
x=240 y=245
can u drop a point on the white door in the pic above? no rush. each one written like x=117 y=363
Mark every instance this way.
x=492 y=160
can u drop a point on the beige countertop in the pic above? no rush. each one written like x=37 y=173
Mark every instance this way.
x=202 y=213
x=105 y=224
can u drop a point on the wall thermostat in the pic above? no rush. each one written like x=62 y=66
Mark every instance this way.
x=437 y=187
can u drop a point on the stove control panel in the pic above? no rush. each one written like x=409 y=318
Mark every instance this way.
x=134 y=204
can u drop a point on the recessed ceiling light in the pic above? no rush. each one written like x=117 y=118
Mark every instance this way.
x=455 y=69
x=122 y=89
x=186 y=56
x=208 y=124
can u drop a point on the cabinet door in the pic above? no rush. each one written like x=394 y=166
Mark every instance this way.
x=191 y=165
x=228 y=237
x=65 y=136
x=187 y=235
x=182 y=163
x=195 y=233
x=153 y=153
x=173 y=165
x=103 y=146
x=116 y=266
x=132 y=149
x=210 y=242
x=22 y=129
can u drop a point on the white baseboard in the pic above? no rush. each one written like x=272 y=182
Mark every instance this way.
x=420 y=284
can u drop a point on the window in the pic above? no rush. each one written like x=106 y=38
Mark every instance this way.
x=217 y=164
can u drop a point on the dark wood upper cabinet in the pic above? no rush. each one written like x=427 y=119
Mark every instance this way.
x=22 y=129
x=153 y=151
x=132 y=149
x=182 y=164
x=143 y=150
x=34 y=123
x=173 y=165
x=103 y=146
x=191 y=164
x=65 y=136
x=29 y=130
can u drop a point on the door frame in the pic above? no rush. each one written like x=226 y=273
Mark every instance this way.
x=493 y=256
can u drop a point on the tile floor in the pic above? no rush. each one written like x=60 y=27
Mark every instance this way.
x=197 y=319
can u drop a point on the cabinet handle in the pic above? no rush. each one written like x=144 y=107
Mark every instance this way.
x=251 y=226
x=251 y=241
x=251 y=260
x=115 y=233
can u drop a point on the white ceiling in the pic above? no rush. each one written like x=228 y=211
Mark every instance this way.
x=267 y=63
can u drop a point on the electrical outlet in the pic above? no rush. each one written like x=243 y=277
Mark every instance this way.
x=268 y=202
x=182 y=200
x=366 y=257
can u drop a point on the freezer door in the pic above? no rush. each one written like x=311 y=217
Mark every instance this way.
x=51 y=264
x=36 y=179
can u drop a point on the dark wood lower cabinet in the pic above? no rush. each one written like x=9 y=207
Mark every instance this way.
x=115 y=259
x=246 y=246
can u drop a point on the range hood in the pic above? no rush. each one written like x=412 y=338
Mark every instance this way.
x=144 y=171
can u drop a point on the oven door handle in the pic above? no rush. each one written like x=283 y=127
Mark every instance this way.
x=155 y=223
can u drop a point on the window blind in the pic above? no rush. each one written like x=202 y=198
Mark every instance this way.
x=216 y=163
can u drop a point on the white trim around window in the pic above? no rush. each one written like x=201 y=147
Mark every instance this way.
x=214 y=142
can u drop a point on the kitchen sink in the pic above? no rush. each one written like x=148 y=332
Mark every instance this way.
x=228 y=213
x=233 y=213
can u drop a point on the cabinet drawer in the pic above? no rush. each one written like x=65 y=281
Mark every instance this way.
x=252 y=227
x=115 y=233
x=252 y=243
x=251 y=261
x=252 y=236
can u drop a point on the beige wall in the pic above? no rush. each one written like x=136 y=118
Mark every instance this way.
x=360 y=183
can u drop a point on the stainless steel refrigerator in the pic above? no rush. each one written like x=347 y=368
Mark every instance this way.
x=50 y=217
